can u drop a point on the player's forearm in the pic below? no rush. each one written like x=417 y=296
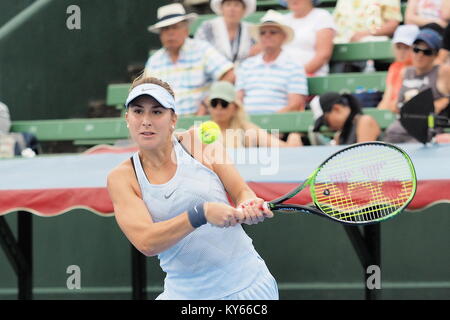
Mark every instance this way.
x=160 y=236
x=244 y=195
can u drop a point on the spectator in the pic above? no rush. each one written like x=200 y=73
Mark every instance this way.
x=271 y=81
x=237 y=130
x=5 y=120
x=404 y=37
x=444 y=52
x=358 y=20
x=189 y=65
x=227 y=32
x=423 y=74
x=15 y=143
x=342 y=113
x=422 y=12
x=314 y=28
x=442 y=55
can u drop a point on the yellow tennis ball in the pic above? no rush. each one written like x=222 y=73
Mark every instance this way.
x=209 y=131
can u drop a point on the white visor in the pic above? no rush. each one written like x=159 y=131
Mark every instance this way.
x=155 y=91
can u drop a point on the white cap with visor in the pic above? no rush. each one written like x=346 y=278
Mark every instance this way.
x=153 y=90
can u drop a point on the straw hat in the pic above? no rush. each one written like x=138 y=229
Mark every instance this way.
x=169 y=15
x=276 y=19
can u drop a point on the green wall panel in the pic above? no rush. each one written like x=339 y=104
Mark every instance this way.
x=310 y=257
x=49 y=71
x=9 y=8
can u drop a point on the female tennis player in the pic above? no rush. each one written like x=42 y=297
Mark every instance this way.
x=170 y=200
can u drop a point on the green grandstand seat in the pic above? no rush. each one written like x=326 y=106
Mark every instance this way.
x=380 y=50
x=73 y=129
x=377 y=50
x=263 y=4
x=340 y=82
x=347 y=82
x=92 y=131
x=267 y=4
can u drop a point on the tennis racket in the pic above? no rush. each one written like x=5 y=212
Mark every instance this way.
x=361 y=184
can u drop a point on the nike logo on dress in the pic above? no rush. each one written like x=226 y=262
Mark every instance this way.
x=167 y=196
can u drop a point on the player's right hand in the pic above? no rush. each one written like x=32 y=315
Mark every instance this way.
x=222 y=215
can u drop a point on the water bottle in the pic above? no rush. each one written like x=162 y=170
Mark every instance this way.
x=360 y=89
x=370 y=66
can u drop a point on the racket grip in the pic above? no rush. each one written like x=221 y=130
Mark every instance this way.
x=240 y=210
x=264 y=206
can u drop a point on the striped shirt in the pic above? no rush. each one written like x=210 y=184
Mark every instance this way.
x=266 y=85
x=198 y=65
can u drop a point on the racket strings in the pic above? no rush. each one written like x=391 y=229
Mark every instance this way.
x=364 y=183
x=345 y=206
x=377 y=195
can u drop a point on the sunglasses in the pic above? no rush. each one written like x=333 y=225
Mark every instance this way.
x=426 y=52
x=216 y=102
x=271 y=32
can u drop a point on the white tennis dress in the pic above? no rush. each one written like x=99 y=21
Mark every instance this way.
x=210 y=262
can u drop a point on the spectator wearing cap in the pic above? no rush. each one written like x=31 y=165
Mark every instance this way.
x=188 y=65
x=227 y=32
x=402 y=41
x=315 y=29
x=271 y=81
x=422 y=75
x=423 y=12
x=237 y=130
x=342 y=113
x=442 y=56
x=358 y=20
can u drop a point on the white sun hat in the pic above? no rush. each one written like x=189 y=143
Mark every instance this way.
x=276 y=19
x=250 y=6
x=169 y=15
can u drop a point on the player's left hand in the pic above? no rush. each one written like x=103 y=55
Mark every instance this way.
x=254 y=211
